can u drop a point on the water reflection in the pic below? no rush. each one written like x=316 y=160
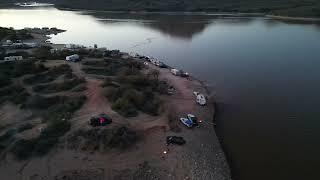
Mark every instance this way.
x=176 y=26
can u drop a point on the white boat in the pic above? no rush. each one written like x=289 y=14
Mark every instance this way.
x=200 y=98
x=33 y=4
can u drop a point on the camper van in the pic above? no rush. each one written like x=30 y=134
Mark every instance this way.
x=73 y=58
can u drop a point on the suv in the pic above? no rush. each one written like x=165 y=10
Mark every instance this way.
x=100 y=120
x=175 y=140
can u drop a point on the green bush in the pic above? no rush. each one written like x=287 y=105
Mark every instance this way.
x=50 y=75
x=124 y=107
x=122 y=137
x=23 y=149
x=24 y=127
x=38 y=78
x=40 y=102
x=58 y=87
x=80 y=88
x=27 y=67
x=14 y=93
x=20 y=97
x=7 y=138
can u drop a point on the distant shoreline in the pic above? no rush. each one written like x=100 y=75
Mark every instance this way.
x=293 y=18
x=230 y=14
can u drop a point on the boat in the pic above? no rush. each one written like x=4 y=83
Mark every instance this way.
x=33 y=4
x=200 y=98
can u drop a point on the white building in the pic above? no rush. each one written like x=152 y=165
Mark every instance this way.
x=13 y=58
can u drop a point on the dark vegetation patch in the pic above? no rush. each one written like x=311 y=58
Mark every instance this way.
x=134 y=91
x=14 y=93
x=49 y=75
x=24 y=127
x=11 y=70
x=110 y=67
x=56 y=112
x=56 y=107
x=80 y=88
x=7 y=138
x=102 y=139
x=14 y=35
x=58 y=87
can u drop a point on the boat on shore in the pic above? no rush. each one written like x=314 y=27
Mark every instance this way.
x=33 y=4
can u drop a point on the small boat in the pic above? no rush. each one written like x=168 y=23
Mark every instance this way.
x=187 y=122
x=200 y=98
x=33 y=4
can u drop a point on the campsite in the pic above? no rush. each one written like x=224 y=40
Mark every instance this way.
x=78 y=108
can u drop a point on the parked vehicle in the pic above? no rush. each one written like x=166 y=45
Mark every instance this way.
x=175 y=140
x=193 y=118
x=184 y=74
x=187 y=122
x=100 y=120
x=175 y=72
x=73 y=58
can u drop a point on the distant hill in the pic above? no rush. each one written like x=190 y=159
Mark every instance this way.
x=299 y=8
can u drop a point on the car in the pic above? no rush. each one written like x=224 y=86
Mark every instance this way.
x=100 y=120
x=193 y=118
x=187 y=122
x=175 y=140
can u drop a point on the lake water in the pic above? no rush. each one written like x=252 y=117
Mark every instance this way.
x=263 y=73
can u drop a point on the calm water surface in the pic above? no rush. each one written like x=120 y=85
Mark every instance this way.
x=264 y=74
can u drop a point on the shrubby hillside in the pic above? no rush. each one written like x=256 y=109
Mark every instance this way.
x=306 y=8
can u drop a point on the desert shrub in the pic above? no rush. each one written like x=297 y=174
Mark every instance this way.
x=44 y=145
x=151 y=107
x=59 y=70
x=23 y=148
x=7 y=138
x=122 y=137
x=40 y=102
x=56 y=128
x=50 y=75
x=4 y=80
x=64 y=108
x=38 y=78
x=42 y=52
x=14 y=93
x=27 y=67
x=107 y=82
x=173 y=116
x=57 y=87
x=20 y=97
x=124 y=107
x=135 y=97
x=94 y=63
x=24 y=127
x=108 y=71
x=80 y=88
x=96 y=139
